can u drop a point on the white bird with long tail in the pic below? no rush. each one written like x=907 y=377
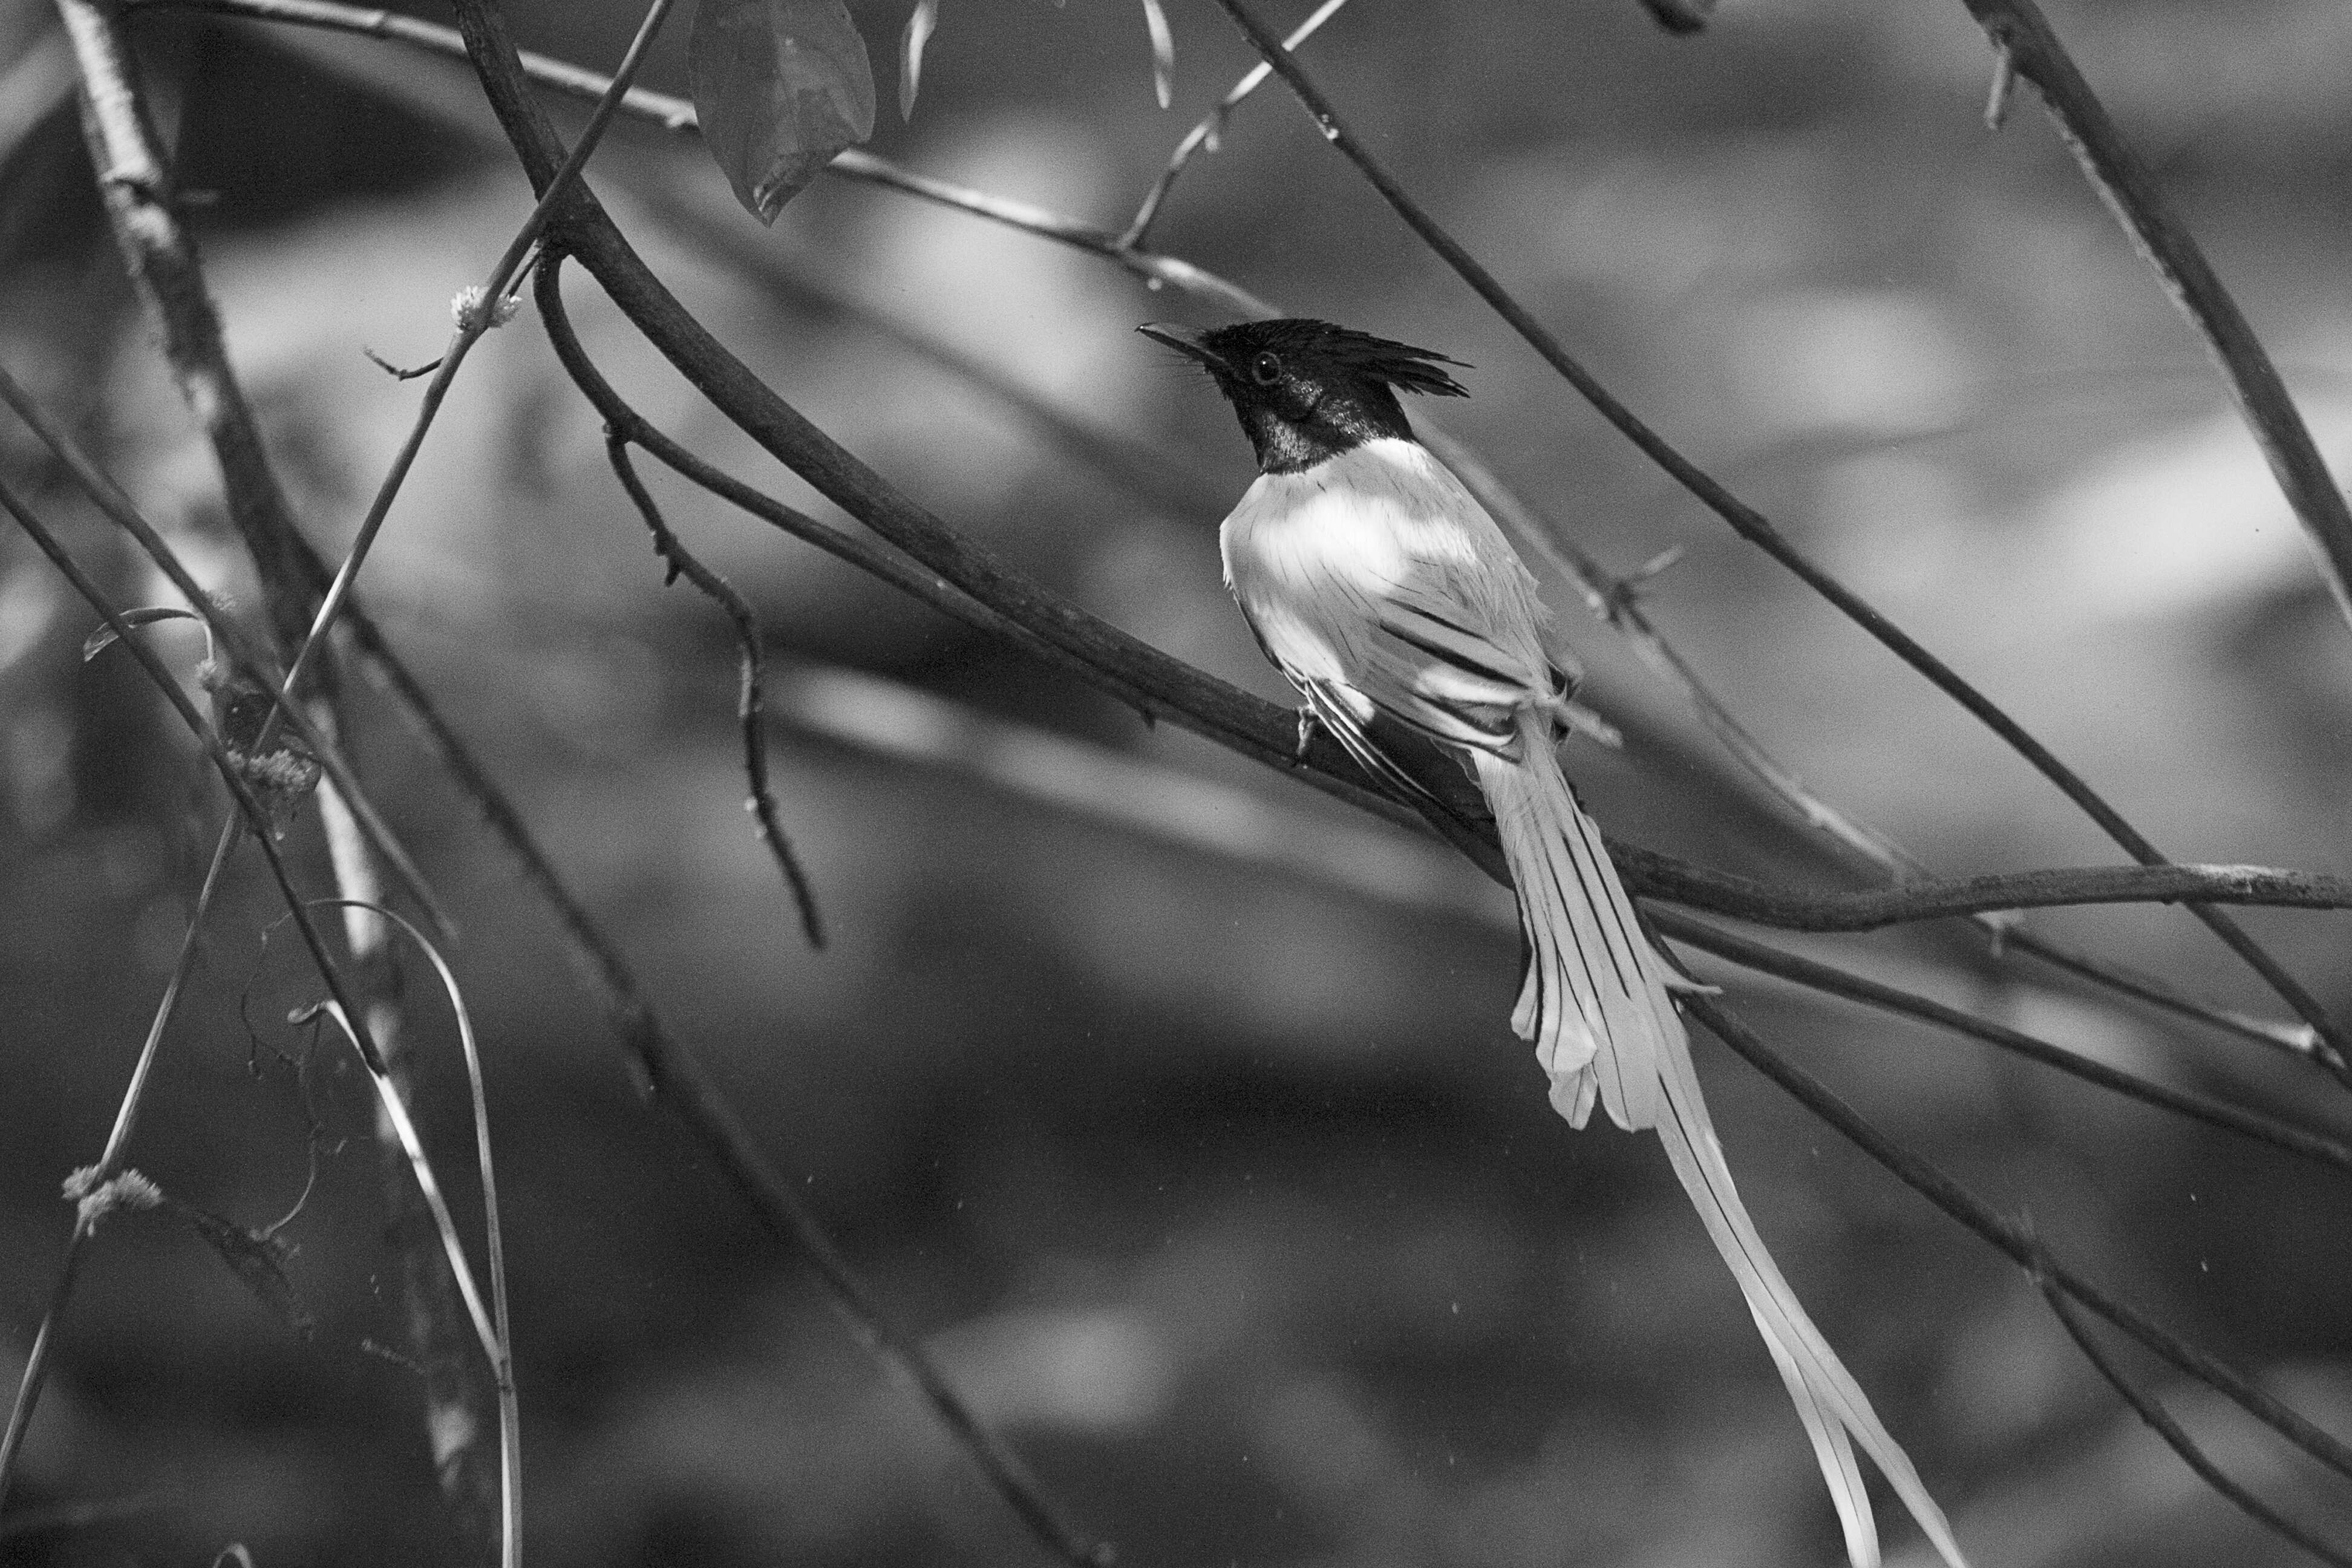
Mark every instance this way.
x=1381 y=589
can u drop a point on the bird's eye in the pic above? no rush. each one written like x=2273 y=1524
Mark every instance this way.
x=1265 y=370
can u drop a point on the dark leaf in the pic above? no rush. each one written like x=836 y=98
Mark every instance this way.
x=258 y=1259
x=781 y=85
x=1679 y=16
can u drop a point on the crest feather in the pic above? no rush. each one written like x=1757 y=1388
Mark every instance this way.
x=1343 y=349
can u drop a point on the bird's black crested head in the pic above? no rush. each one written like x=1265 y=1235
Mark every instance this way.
x=1306 y=391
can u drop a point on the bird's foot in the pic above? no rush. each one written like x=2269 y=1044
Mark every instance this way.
x=1307 y=723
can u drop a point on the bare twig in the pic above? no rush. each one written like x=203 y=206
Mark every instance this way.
x=2014 y=1239
x=243 y=652
x=751 y=657
x=2029 y=48
x=1616 y=603
x=1836 y=981
x=1205 y=135
x=1723 y=894
x=478 y=311
x=496 y=1331
x=2175 y=1436
x=256 y=820
x=1752 y=525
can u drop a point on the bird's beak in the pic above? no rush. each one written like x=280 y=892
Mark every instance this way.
x=1185 y=341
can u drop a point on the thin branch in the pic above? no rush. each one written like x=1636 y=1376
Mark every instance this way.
x=750 y=658
x=1724 y=894
x=1752 y=525
x=256 y=820
x=244 y=654
x=478 y=311
x=2296 y=1039
x=2028 y=46
x=498 y=1343
x=1616 y=603
x=2014 y=1239
x=1836 y=981
x=1145 y=473
x=2175 y=1436
x=1205 y=135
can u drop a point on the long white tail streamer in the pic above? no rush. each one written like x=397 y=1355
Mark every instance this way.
x=1598 y=1004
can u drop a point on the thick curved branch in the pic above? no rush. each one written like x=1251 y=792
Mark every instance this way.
x=1751 y=525
x=2028 y=46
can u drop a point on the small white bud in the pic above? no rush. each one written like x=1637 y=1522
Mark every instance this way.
x=468 y=308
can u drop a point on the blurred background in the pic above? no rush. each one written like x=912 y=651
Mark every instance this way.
x=1170 y=1104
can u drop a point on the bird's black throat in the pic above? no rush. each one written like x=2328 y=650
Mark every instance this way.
x=1288 y=439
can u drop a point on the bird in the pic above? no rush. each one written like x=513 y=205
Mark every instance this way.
x=1416 y=637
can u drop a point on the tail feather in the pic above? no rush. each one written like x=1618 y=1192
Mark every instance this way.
x=1593 y=999
x=1597 y=1004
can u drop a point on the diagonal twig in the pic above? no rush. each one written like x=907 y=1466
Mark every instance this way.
x=2175 y=1436
x=2029 y=48
x=750 y=688
x=1834 y=982
x=243 y=652
x=1205 y=135
x=2014 y=1239
x=256 y=820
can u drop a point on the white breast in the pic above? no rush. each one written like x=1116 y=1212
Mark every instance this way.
x=1310 y=555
